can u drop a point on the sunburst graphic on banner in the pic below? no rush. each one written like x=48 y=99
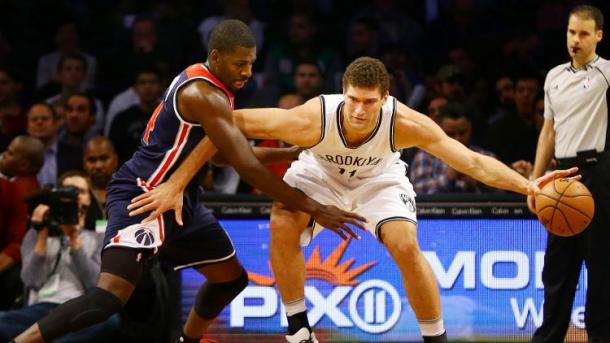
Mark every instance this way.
x=329 y=270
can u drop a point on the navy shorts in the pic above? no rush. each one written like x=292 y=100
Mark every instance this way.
x=201 y=240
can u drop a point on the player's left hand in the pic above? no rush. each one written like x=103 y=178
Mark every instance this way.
x=534 y=186
x=167 y=196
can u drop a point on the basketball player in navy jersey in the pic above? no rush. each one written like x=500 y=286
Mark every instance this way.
x=197 y=105
x=352 y=161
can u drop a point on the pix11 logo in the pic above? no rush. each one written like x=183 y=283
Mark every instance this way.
x=373 y=306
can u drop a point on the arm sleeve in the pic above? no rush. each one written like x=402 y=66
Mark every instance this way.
x=87 y=260
x=34 y=269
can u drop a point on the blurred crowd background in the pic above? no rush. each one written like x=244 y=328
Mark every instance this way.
x=79 y=80
x=485 y=59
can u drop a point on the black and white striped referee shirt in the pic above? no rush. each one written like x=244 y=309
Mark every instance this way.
x=577 y=101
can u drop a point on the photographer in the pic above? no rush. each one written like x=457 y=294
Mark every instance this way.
x=60 y=260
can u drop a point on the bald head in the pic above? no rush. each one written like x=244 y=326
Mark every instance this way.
x=99 y=142
x=100 y=161
x=23 y=157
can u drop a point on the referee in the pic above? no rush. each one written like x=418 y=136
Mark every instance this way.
x=575 y=130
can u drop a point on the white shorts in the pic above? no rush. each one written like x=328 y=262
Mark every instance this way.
x=386 y=197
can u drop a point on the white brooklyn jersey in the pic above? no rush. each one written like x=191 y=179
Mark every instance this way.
x=353 y=165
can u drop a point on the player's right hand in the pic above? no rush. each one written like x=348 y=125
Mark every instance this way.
x=167 y=196
x=336 y=220
x=534 y=186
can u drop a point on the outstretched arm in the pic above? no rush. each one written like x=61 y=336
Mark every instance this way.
x=203 y=103
x=266 y=155
x=301 y=125
x=544 y=154
x=415 y=129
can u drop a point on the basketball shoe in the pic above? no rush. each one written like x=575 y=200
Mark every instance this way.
x=302 y=336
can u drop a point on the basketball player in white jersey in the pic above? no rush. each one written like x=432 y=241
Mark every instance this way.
x=352 y=162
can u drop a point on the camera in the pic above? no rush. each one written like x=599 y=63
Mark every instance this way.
x=63 y=204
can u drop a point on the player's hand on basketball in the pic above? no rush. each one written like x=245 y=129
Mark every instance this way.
x=167 y=196
x=336 y=220
x=535 y=186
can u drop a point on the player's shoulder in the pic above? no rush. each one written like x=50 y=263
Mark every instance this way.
x=326 y=103
x=329 y=99
x=199 y=95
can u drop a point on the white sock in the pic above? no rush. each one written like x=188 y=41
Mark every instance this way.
x=430 y=328
x=295 y=306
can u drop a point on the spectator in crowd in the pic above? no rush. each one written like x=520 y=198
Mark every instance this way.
x=66 y=42
x=59 y=263
x=513 y=137
x=72 y=69
x=308 y=82
x=143 y=50
x=100 y=161
x=362 y=39
x=405 y=85
x=79 y=120
x=434 y=107
x=128 y=126
x=18 y=167
x=431 y=175
x=505 y=98
x=12 y=118
x=450 y=83
x=395 y=26
x=302 y=44
x=234 y=9
x=43 y=123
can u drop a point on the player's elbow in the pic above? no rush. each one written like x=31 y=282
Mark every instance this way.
x=219 y=160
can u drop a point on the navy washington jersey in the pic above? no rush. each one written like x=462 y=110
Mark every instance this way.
x=168 y=138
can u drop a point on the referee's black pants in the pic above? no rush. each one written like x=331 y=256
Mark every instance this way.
x=563 y=264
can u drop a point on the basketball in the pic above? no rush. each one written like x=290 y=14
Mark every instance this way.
x=565 y=207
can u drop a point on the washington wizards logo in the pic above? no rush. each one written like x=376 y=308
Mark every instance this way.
x=408 y=201
x=144 y=236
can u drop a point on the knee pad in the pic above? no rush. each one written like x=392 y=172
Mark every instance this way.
x=94 y=307
x=213 y=297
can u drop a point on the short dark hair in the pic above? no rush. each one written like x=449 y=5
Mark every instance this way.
x=147 y=69
x=367 y=72
x=72 y=56
x=74 y=173
x=310 y=61
x=230 y=34
x=454 y=110
x=55 y=116
x=90 y=99
x=589 y=12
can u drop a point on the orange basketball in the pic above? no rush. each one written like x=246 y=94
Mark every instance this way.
x=565 y=207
